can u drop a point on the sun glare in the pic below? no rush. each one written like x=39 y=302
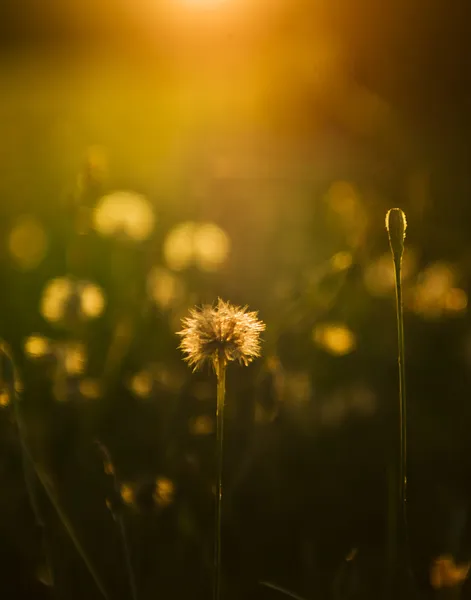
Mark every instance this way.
x=203 y=3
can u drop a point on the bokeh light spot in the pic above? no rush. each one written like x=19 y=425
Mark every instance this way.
x=206 y=245
x=178 y=246
x=211 y=247
x=27 y=242
x=124 y=214
x=54 y=298
x=127 y=494
x=74 y=356
x=63 y=299
x=164 y=492
x=92 y=300
x=335 y=338
x=142 y=383
x=435 y=294
x=4 y=398
x=36 y=346
x=456 y=300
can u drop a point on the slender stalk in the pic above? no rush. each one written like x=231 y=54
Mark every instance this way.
x=31 y=467
x=221 y=393
x=396 y=225
x=402 y=475
x=118 y=517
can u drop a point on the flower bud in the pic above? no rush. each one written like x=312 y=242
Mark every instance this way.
x=396 y=225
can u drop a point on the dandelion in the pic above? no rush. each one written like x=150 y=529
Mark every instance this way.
x=222 y=333
x=218 y=335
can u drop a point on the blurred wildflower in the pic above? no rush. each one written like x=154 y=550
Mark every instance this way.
x=164 y=492
x=224 y=329
x=4 y=398
x=73 y=357
x=27 y=242
x=211 y=247
x=67 y=300
x=92 y=300
x=446 y=573
x=204 y=244
x=127 y=493
x=124 y=214
x=335 y=338
x=37 y=346
x=178 y=246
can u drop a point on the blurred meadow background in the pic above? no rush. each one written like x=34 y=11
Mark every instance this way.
x=159 y=154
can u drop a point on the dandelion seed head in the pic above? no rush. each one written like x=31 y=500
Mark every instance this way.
x=222 y=330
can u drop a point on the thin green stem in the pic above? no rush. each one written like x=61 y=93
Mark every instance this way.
x=402 y=483
x=397 y=537
x=221 y=393
x=118 y=517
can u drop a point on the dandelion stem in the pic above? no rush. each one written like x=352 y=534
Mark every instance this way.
x=221 y=393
